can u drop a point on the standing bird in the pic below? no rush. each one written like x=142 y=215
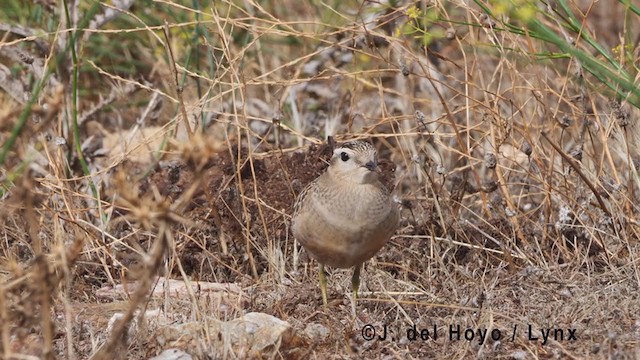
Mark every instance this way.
x=346 y=215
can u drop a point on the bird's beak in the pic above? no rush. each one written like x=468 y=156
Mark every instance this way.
x=371 y=165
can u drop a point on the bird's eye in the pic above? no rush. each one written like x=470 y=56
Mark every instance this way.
x=344 y=156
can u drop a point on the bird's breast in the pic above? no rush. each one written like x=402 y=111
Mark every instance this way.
x=347 y=225
x=356 y=210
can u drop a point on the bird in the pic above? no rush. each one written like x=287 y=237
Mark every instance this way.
x=346 y=215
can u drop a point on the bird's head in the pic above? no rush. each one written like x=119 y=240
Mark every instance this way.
x=355 y=161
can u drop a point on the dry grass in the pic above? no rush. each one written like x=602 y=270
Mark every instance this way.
x=517 y=173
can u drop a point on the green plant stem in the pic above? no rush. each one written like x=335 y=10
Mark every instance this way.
x=611 y=75
x=592 y=65
x=74 y=101
x=631 y=6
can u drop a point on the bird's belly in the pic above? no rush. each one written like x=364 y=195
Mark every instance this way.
x=344 y=229
x=343 y=246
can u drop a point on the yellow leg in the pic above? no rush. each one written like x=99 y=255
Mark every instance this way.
x=355 y=281
x=323 y=285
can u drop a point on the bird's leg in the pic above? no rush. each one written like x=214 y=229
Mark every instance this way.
x=323 y=285
x=355 y=281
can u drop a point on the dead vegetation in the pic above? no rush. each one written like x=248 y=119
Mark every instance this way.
x=153 y=214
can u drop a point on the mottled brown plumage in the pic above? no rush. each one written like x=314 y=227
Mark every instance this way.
x=346 y=215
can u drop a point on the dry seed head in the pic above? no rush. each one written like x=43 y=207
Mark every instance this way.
x=486 y=21
x=526 y=148
x=421 y=119
x=450 y=33
x=147 y=211
x=277 y=117
x=26 y=58
x=197 y=151
x=489 y=186
x=565 y=121
x=405 y=70
x=621 y=114
x=490 y=160
x=576 y=152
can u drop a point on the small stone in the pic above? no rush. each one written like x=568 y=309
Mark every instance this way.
x=60 y=141
x=316 y=332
